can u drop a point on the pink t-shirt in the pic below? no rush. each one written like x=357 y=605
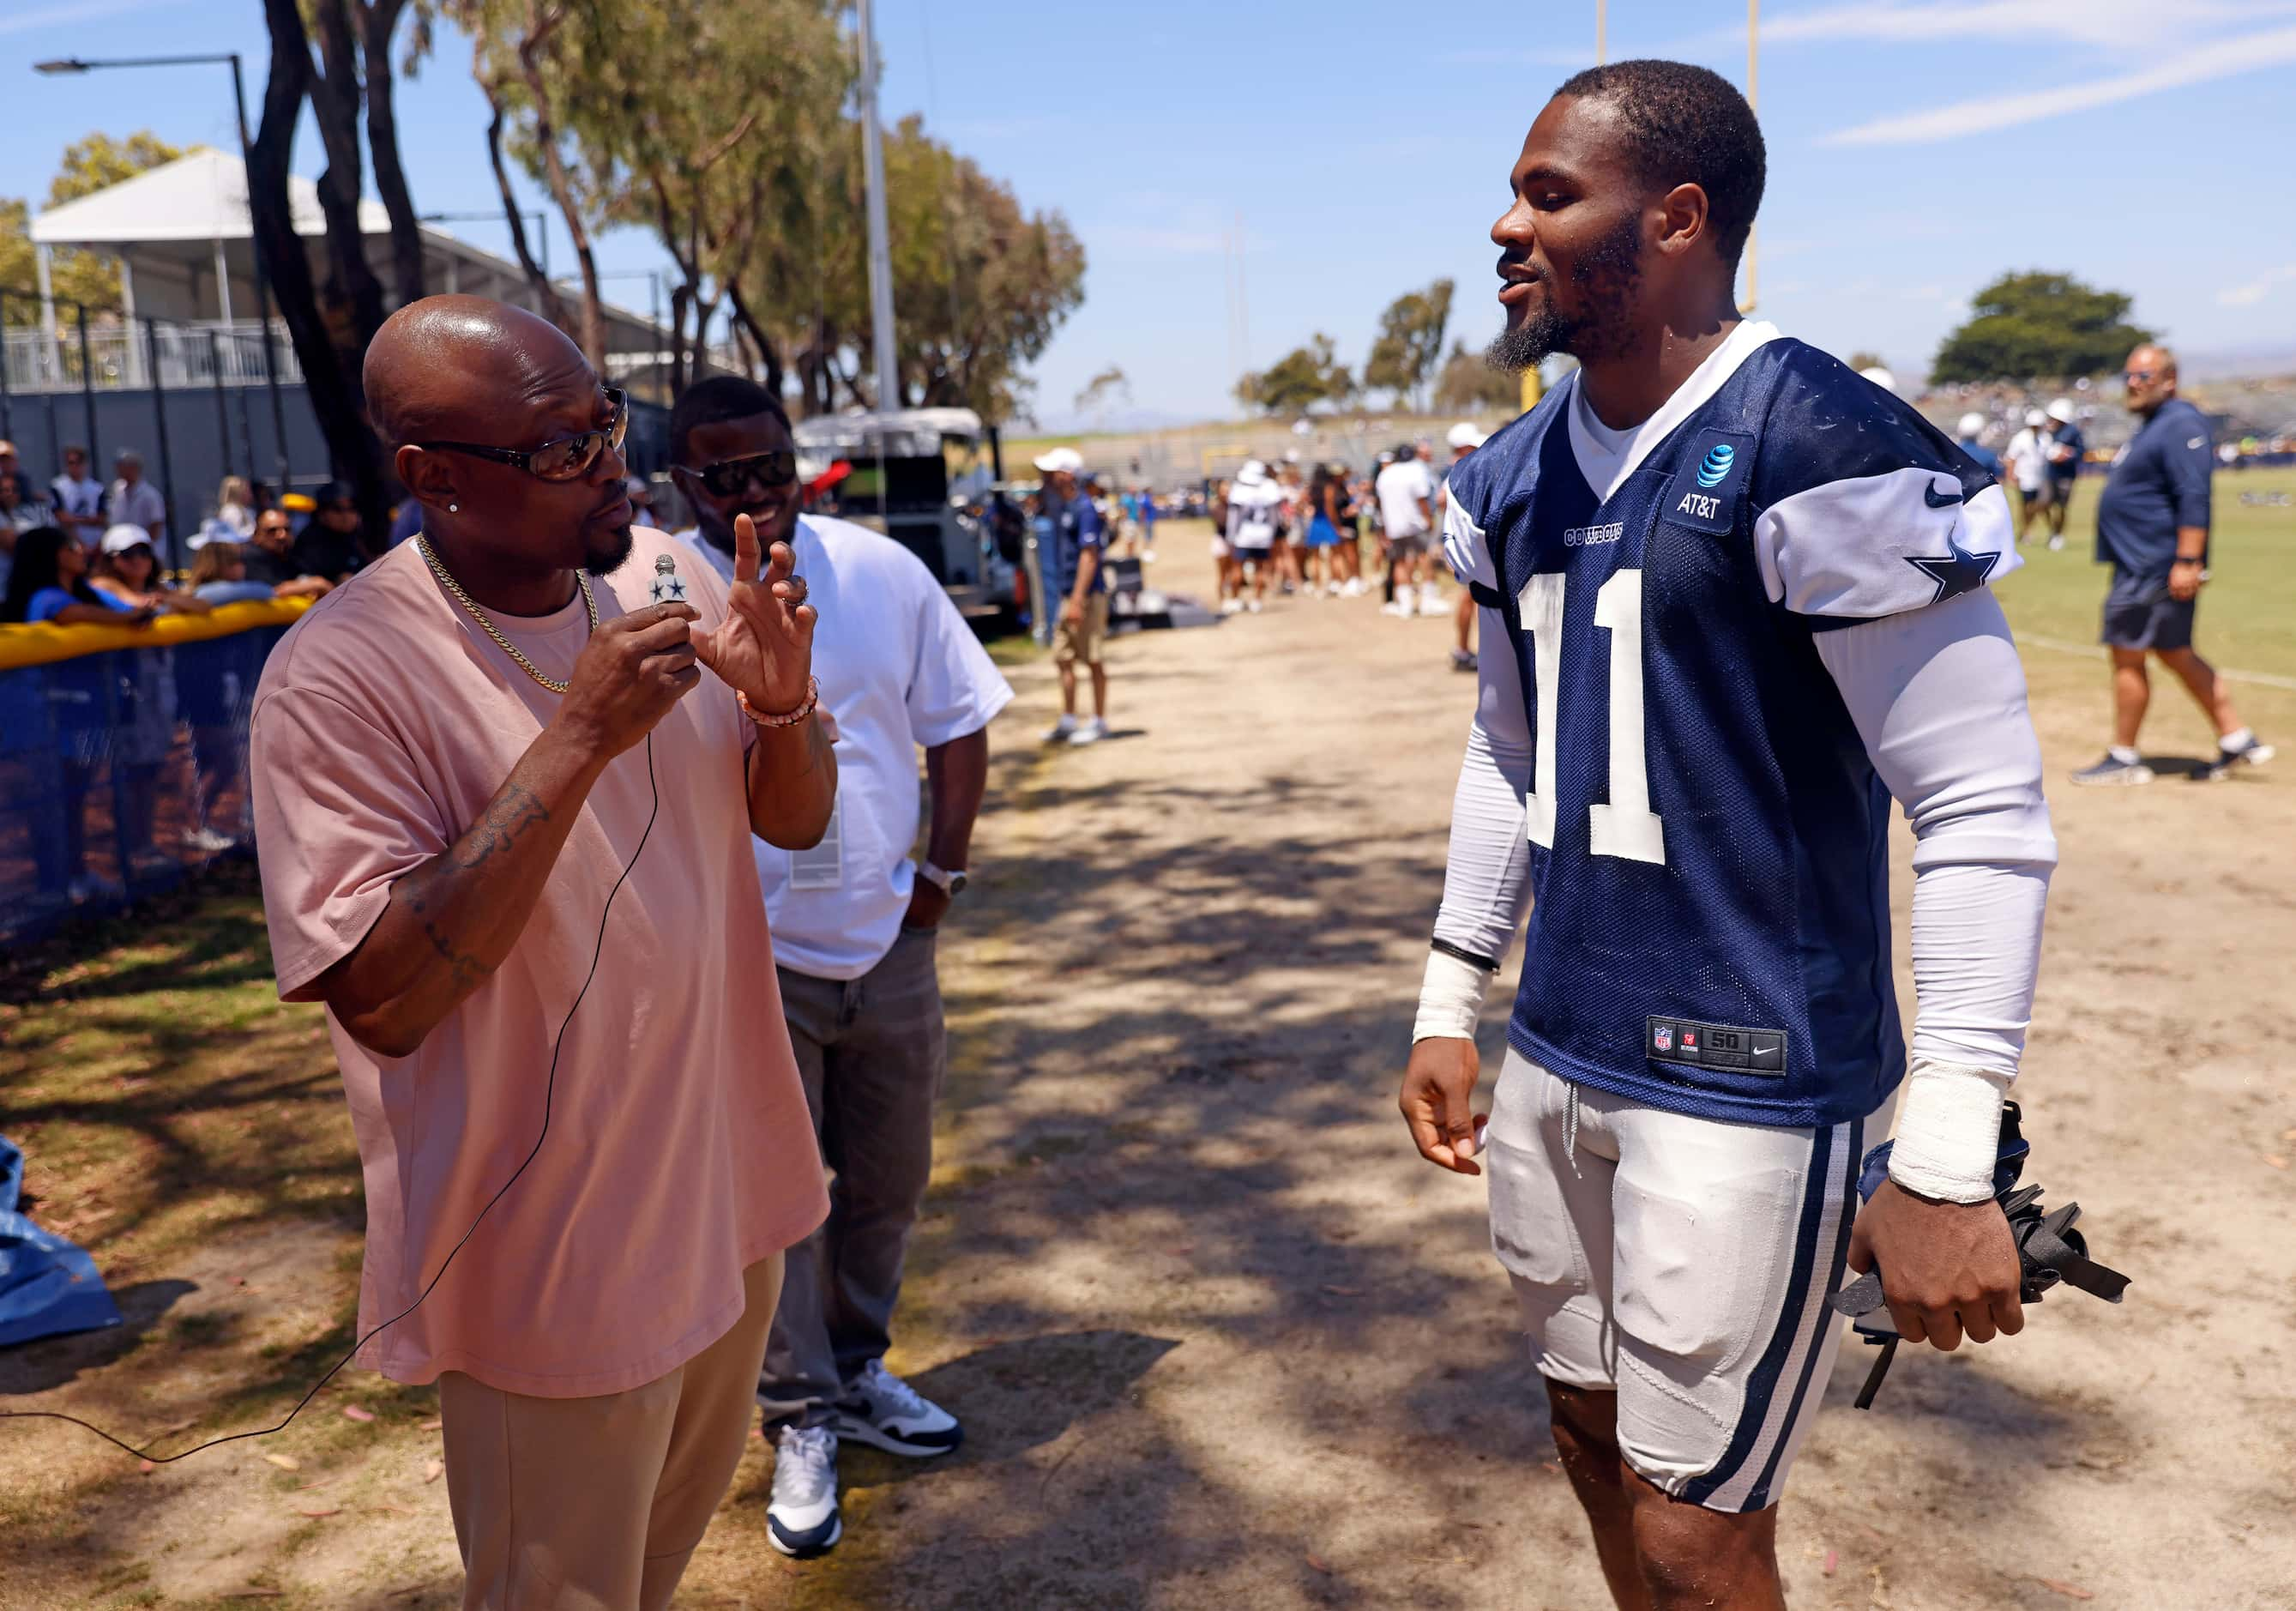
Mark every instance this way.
x=680 y=1150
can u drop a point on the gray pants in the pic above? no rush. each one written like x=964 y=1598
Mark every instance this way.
x=872 y=1052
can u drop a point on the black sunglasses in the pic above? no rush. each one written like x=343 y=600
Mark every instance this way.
x=729 y=477
x=564 y=460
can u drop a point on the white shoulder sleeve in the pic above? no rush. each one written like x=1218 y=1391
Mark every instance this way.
x=1470 y=554
x=1882 y=545
x=1487 y=879
x=1939 y=696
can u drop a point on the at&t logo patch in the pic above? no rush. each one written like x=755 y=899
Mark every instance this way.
x=1704 y=492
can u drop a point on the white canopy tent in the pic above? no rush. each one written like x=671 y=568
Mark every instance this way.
x=186 y=251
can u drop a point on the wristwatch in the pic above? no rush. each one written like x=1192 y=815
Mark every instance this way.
x=950 y=884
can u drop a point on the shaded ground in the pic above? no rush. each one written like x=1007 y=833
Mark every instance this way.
x=1220 y=1338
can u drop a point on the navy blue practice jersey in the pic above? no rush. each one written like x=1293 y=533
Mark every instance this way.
x=1710 y=923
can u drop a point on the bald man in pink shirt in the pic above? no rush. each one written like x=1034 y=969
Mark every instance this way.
x=457 y=757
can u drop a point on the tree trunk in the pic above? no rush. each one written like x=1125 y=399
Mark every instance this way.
x=540 y=23
x=550 y=305
x=767 y=353
x=679 y=297
x=335 y=98
x=357 y=456
x=379 y=20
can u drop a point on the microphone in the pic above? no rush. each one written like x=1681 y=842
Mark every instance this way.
x=668 y=587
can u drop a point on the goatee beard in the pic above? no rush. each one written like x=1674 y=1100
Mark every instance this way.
x=608 y=559
x=1606 y=280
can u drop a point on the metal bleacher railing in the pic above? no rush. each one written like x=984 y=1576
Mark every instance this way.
x=123 y=757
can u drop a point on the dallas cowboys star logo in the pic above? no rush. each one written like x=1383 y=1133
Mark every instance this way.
x=1956 y=571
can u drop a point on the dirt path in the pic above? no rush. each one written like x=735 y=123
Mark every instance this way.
x=1221 y=1340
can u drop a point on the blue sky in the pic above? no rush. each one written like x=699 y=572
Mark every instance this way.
x=1917 y=148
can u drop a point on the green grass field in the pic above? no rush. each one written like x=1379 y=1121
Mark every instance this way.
x=2248 y=610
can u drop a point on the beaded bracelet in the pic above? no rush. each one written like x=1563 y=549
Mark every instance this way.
x=788 y=719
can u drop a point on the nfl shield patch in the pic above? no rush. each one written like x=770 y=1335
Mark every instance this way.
x=1662 y=1038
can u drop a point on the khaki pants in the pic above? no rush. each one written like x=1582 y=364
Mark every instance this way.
x=1083 y=641
x=596 y=1504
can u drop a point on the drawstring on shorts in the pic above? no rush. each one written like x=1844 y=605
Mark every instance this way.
x=1571 y=1126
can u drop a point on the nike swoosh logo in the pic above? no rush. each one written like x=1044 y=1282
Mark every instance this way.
x=1930 y=496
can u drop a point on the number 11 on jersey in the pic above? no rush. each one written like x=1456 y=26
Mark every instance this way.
x=1626 y=826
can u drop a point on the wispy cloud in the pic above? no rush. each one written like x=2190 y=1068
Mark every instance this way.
x=2223 y=58
x=2252 y=292
x=2108 y=24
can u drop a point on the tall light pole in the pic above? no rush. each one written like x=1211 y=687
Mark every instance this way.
x=1754 y=99
x=880 y=254
x=75 y=64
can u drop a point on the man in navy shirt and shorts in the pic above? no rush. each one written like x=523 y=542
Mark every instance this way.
x=2152 y=528
x=1734 y=597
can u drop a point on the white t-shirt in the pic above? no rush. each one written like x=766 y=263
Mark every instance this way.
x=2027 y=457
x=82 y=496
x=899 y=668
x=1251 y=516
x=1400 y=488
x=140 y=505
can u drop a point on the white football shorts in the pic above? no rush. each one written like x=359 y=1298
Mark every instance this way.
x=1683 y=1262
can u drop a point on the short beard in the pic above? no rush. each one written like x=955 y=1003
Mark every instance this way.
x=607 y=560
x=1606 y=280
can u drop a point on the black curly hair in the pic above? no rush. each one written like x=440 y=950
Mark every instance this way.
x=1687 y=125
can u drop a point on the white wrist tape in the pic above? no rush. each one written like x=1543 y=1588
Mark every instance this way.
x=1451 y=1000
x=1948 y=1131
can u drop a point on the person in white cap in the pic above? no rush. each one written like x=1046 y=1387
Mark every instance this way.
x=1969 y=436
x=1406 y=494
x=2028 y=455
x=2064 y=447
x=1881 y=377
x=1070 y=540
x=1464 y=438
x=1254 y=511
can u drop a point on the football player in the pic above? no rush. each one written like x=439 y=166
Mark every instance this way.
x=1735 y=598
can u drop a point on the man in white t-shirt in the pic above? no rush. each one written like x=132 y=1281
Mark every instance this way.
x=1406 y=497
x=854 y=921
x=79 y=498
x=134 y=501
x=2028 y=458
x=1254 y=511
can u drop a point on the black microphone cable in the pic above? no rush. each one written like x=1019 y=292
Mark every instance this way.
x=548 y=1089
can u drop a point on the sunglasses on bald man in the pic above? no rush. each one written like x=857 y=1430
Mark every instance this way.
x=566 y=459
x=729 y=477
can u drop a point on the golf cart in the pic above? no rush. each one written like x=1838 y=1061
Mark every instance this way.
x=917 y=476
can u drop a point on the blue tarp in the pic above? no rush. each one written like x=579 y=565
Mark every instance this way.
x=48 y=1284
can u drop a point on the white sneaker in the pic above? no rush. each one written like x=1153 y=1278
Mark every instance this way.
x=802 y=1519
x=1091 y=732
x=2056 y=544
x=1254 y=606
x=1354 y=587
x=1231 y=607
x=207 y=841
x=1431 y=599
x=887 y=1413
x=1061 y=731
x=1332 y=590
x=1400 y=607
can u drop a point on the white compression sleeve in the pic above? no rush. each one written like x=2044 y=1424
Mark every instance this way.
x=1939 y=697
x=1487 y=879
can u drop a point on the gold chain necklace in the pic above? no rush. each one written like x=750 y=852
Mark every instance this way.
x=447 y=582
